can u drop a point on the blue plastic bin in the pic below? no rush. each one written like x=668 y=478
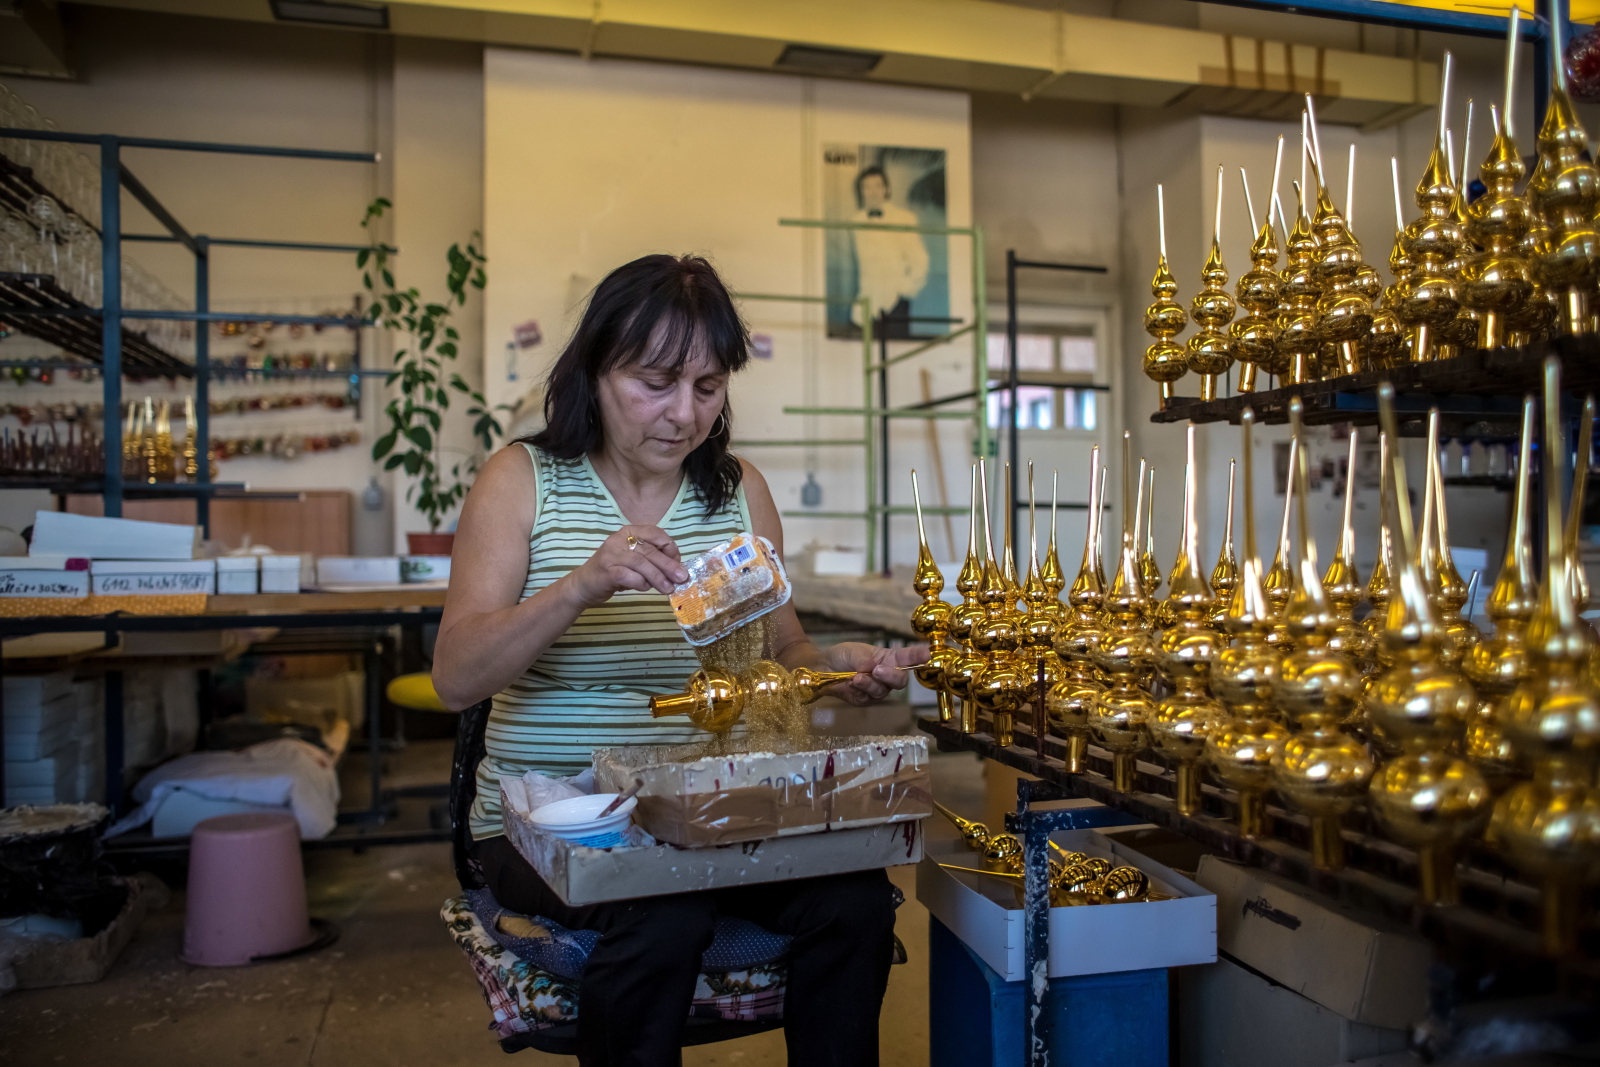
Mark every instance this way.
x=975 y=1017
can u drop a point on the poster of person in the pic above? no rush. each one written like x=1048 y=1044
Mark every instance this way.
x=906 y=275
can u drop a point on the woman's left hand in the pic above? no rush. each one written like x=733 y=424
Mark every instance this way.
x=877 y=670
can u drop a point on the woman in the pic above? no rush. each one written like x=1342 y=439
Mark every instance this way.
x=566 y=550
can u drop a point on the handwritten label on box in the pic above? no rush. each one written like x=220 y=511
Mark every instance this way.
x=152 y=584
x=44 y=583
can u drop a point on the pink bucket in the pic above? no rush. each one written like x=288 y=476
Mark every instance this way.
x=247 y=890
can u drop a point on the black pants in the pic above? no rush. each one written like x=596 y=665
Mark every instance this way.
x=635 y=993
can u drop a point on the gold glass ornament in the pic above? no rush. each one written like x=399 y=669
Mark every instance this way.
x=1426 y=797
x=1240 y=749
x=1342 y=581
x=1320 y=770
x=1157 y=615
x=1387 y=341
x=1428 y=298
x=1298 y=343
x=1497 y=665
x=1344 y=310
x=1121 y=714
x=1225 y=575
x=1256 y=334
x=1165 y=361
x=1044 y=668
x=1070 y=701
x=1211 y=350
x=1280 y=577
x=1550 y=826
x=715 y=699
x=1439 y=573
x=931 y=618
x=1184 y=719
x=1050 y=572
x=1564 y=190
x=999 y=688
x=1499 y=280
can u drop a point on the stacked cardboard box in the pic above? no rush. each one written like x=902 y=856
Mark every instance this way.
x=51 y=740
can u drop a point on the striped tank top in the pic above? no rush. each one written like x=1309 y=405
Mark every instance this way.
x=591 y=688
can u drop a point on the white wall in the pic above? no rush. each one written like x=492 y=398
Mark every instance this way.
x=591 y=164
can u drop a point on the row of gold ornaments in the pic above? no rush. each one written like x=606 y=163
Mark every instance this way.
x=149 y=453
x=1510 y=269
x=1416 y=704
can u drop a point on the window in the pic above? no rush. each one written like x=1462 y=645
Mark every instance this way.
x=1054 y=362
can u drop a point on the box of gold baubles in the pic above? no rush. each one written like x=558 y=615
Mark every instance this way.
x=758 y=800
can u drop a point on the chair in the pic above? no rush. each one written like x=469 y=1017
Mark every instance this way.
x=496 y=968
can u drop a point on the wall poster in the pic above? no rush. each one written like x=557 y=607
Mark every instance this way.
x=905 y=275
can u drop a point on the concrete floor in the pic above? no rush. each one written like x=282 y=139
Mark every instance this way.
x=395 y=990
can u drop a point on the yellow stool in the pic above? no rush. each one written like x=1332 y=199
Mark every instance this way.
x=415 y=691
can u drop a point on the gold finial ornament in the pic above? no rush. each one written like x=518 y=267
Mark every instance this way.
x=1425 y=797
x=1211 y=350
x=1165 y=361
x=1121 y=715
x=931 y=618
x=1000 y=687
x=191 y=442
x=959 y=673
x=1149 y=570
x=1050 y=572
x=1241 y=748
x=1039 y=625
x=1498 y=281
x=1344 y=310
x=1550 y=826
x=1256 y=335
x=1298 y=344
x=1565 y=189
x=1280 y=576
x=1497 y=665
x=716 y=699
x=1386 y=344
x=1320 y=770
x=1439 y=571
x=1428 y=298
x=1342 y=582
x=1184 y=720
x=1225 y=575
x=1070 y=701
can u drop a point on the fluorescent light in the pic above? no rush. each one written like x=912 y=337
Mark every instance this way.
x=814 y=60
x=332 y=13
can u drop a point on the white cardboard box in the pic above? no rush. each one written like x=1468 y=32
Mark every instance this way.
x=424 y=569
x=43 y=581
x=582 y=875
x=238 y=574
x=143 y=577
x=97 y=537
x=1352 y=963
x=282 y=574
x=358 y=570
x=1100 y=939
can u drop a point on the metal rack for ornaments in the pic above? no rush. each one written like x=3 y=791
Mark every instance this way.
x=40 y=306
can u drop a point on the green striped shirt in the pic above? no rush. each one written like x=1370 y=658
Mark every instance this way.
x=591 y=688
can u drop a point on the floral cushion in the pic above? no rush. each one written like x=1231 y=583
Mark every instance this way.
x=523 y=998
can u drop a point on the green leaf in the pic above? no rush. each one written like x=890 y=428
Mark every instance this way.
x=385 y=444
x=362 y=257
x=394 y=461
x=421 y=436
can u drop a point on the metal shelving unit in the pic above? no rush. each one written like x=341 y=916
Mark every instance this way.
x=35 y=305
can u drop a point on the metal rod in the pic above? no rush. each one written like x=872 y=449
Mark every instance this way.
x=159 y=210
x=201 y=430
x=874 y=413
x=866 y=427
x=240 y=242
x=931 y=343
x=111 y=360
x=1012 y=387
x=187 y=146
x=784 y=297
x=186 y=316
x=883 y=431
x=882 y=227
x=799 y=442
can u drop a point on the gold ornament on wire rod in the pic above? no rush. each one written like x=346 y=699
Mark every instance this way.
x=1071 y=700
x=1342 y=581
x=1550 y=826
x=1280 y=576
x=1344 y=310
x=1439 y=571
x=1497 y=665
x=1211 y=351
x=1240 y=749
x=1256 y=335
x=1043 y=667
x=1050 y=573
x=1320 y=770
x=1184 y=719
x=1386 y=344
x=1426 y=797
x=1225 y=575
x=1165 y=361
x=960 y=673
x=931 y=618
x=1298 y=344
x=999 y=688
x=1121 y=715
x=1428 y=297
x=1564 y=190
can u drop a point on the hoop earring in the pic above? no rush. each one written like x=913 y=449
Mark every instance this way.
x=723 y=418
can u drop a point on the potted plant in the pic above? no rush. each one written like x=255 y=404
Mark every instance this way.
x=425 y=379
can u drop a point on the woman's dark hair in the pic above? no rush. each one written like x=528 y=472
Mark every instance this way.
x=656 y=311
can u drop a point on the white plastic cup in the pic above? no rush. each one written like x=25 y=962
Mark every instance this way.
x=576 y=819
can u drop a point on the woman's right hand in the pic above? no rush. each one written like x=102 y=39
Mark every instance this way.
x=640 y=558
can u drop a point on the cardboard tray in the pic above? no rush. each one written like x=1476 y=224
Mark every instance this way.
x=1099 y=939
x=582 y=875
x=693 y=800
